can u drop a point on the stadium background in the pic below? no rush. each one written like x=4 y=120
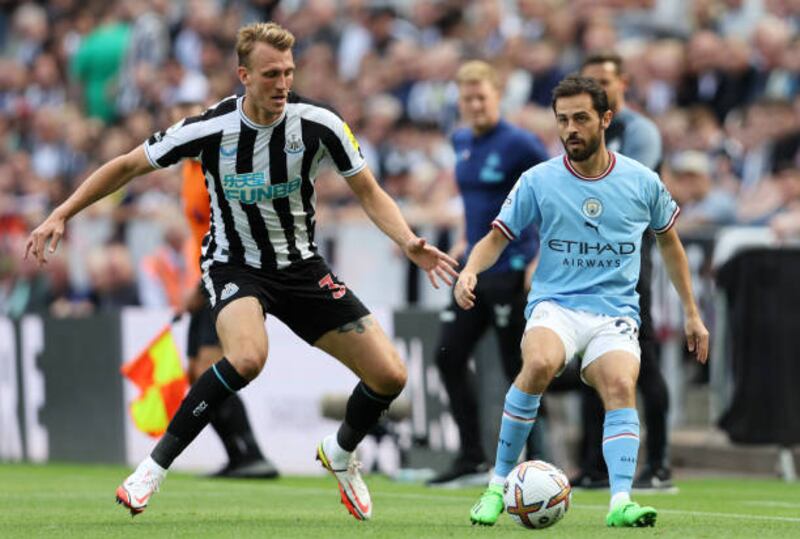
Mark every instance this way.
x=81 y=82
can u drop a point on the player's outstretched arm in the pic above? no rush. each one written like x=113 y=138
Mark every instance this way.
x=482 y=257
x=678 y=269
x=104 y=181
x=383 y=211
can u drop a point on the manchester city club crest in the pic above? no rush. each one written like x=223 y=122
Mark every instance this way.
x=592 y=208
x=294 y=144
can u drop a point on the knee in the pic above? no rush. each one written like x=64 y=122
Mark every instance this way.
x=619 y=391
x=248 y=359
x=539 y=369
x=395 y=377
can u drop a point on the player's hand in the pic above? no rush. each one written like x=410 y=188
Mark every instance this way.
x=435 y=263
x=697 y=337
x=464 y=291
x=51 y=231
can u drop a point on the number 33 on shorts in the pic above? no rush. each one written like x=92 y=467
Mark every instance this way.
x=337 y=290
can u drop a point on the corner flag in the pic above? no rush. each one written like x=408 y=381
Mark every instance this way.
x=158 y=374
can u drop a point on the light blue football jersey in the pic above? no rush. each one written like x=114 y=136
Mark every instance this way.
x=590 y=231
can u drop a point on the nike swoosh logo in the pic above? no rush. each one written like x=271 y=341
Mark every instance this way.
x=364 y=508
x=143 y=498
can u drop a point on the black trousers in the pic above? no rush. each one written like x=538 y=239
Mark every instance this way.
x=500 y=305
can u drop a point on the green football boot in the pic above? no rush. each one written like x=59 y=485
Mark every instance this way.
x=488 y=507
x=631 y=515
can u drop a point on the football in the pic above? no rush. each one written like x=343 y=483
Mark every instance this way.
x=536 y=494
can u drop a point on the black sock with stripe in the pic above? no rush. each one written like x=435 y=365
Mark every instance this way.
x=364 y=409
x=209 y=391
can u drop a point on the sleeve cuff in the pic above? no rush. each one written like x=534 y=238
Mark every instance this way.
x=149 y=157
x=355 y=170
x=503 y=228
x=670 y=223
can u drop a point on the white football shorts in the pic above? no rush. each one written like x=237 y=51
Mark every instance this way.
x=586 y=334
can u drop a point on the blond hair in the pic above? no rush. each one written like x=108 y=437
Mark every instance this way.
x=476 y=71
x=270 y=33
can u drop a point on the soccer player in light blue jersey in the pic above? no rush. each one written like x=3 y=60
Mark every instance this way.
x=591 y=207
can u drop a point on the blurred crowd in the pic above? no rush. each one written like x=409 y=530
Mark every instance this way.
x=84 y=81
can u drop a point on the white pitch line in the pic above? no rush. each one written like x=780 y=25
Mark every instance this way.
x=469 y=498
x=702 y=513
x=771 y=503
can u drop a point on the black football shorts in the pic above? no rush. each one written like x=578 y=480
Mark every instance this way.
x=306 y=296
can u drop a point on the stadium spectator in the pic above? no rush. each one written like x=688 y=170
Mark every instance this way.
x=703 y=203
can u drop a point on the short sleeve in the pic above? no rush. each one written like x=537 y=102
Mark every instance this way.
x=519 y=210
x=341 y=145
x=180 y=141
x=663 y=208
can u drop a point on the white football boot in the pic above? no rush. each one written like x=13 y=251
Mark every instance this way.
x=136 y=490
x=345 y=468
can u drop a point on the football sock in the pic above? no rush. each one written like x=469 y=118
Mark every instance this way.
x=621 y=447
x=207 y=393
x=364 y=408
x=229 y=420
x=519 y=415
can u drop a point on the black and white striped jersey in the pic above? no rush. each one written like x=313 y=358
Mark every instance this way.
x=260 y=178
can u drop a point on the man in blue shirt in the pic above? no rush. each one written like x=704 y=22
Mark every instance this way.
x=591 y=207
x=634 y=136
x=491 y=154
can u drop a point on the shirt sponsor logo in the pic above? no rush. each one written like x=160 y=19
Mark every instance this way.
x=252 y=187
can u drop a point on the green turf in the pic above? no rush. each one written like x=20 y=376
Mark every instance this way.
x=78 y=501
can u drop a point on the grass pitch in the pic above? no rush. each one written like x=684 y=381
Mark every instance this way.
x=67 y=501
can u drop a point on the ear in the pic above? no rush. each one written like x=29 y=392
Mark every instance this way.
x=606 y=119
x=244 y=75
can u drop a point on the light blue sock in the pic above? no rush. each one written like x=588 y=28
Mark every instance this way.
x=621 y=447
x=519 y=415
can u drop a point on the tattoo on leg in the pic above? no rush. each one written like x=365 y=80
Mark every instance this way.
x=359 y=326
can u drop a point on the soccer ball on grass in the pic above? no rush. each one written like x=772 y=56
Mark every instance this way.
x=536 y=494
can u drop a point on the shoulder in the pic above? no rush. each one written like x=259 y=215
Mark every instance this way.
x=461 y=135
x=191 y=128
x=636 y=121
x=634 y=170
x=221 y=108
x=530 y=145
x=309 y=109
x=535 y=174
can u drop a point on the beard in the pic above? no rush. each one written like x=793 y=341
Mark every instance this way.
x=578 y=154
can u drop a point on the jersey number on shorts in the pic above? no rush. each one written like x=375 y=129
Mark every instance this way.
x=626 y=328
x=337 y=290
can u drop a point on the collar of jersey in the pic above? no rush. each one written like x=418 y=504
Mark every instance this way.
x=611 y=162
x=251 y=123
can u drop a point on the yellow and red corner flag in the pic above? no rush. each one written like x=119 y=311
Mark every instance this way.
x=158 y=374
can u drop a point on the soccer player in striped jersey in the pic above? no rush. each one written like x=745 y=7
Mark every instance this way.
x=591 y=207
x=260 y=153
